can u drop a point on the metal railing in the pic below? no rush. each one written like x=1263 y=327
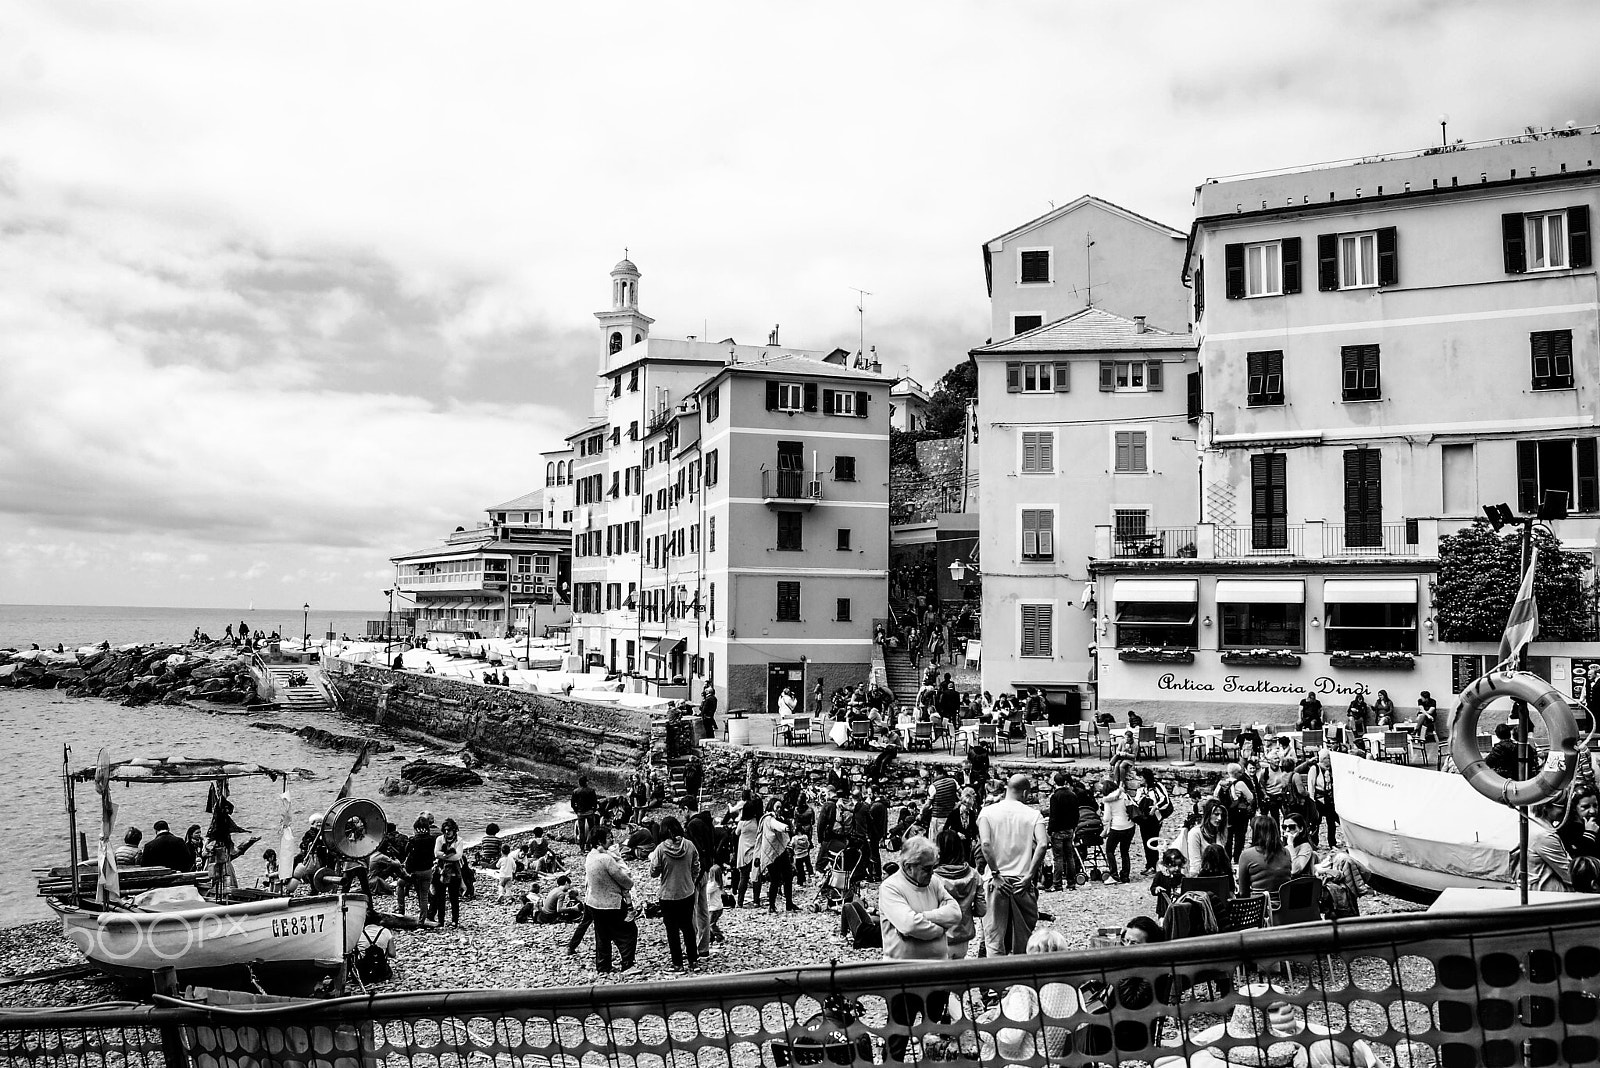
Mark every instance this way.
x=1246 y=540
x=790 y=486
x=1512 y=986
x=1367 y=539
x=1154 y=543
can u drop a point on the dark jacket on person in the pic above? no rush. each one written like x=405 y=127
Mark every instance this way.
x=1063 y=810
x=420 y=851
x=167 y=850
x=1502 y=759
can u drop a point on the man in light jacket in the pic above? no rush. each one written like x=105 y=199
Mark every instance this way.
x=607 y=885
x=915 y=911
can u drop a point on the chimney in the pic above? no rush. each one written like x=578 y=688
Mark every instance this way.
x=1138 y=324
x=772 y=338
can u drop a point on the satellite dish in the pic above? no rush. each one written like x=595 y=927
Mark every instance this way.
x=354 y=827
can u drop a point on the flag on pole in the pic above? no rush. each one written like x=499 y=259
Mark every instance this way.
x=363 y=758
x=1523 y=623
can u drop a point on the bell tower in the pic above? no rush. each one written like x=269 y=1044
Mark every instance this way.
x=622 y=324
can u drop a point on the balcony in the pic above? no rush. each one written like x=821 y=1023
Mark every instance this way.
x=1312 y=540
x=790 y=487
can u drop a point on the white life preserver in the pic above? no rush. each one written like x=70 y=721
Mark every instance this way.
x=1559 y=725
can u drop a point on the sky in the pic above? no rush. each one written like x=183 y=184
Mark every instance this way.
x=288 y=288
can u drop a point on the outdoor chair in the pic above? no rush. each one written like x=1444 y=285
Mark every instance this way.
x=989 y=733
x=1398 y=743
x=1188 y=744
x=1228 y=744
x=798 y=727
x=1220 y=887
x=860 y=733
x=1312 y=740
x=1296 y=901
x=1168 y=736
x=1031 y=740
x=921 y=736
x=1416 y=744
x=1146 y=743
x=1243 y=913
x=1071 y=736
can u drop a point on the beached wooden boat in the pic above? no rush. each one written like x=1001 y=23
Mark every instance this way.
x=282 y=945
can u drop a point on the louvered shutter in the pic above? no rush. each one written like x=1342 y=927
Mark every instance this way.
x=1268 y=502
x=1108 y=376
x=1030 y=624
x=1199 y=293
x=1388 y=256
x=1030 y=533
x=1233 y=263
x=1512 y=242
x=811 y=396
x=1152 y=376
x=1539 y=348
x=1369 y=370
x=1196 y=396
x=1045 y=521
x=1327 y=262
x=1013 y=378
x=1363 y=498
x=1350 y=370
x=1588 y=481
x=772 y=396
x=1527 y=476
x=1291 y=265
x=1062 y=376
x=1256 y=376
x=1047 y=451
x=1124 y=451
x=1042 y=625
x=861 y=404
x=1140 y=460
x=827 y=402
x=1030 y=451
x=1578 y=254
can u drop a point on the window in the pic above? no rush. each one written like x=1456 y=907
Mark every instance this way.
x=1038 y=378
x=848 y=402
x=789 y=531
x=1164 y=624
x=790 y=397
x=844 y=539
x=1269 y=501
x=1262 y=269
x=616 y=344
x=1196 y=398
x=713 y=405
x=1037 y=639
x=1034 y=266
x=1552 y=359
x=1361 y=628
x=633 y=381
x=1021 y=324
x=841 y=610
x=1358 y=365
x=788 y=602
x=1358 y=260
x=1266 y=377
x=713 y=468
x=1038 y=533
x=1261 y=626
x=844 y=468
x=1130 y=527
x=1566 y=465
x=1130 y=449
x=1363 y=498
x=843 y=403
x=711 y=533
x=1130 y=376
x=616 y=383
x=1546 y=241
x=1038 y=452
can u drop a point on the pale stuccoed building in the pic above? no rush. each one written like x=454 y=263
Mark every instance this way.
x=1385 y=347
x=730 y=513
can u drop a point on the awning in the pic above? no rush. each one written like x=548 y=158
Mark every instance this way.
x=667 y=646
x=1261 y=591
x=1370 y=591
x=1179 y=591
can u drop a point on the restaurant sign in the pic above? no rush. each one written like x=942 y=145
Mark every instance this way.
x=1207 y=679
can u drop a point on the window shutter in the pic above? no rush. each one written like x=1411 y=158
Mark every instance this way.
x=1030 y=539
x=1578 y=236
x=1588 y=476
x=861 y=404
x=1013 y=378
x=772 y=396
x=827 y=402
x=1030 y=451
x=1350 y=369
x=1045 y=520
x=1029 y=623
x=1047 y=451
x=811 y=396
x=1511 y=239
x=1138 y=440
x=1527 y=476
x=1539 y=349
x=1327 y=262
x=1124 y=451
x=1255 y=375
x=1196 y=396
x=1152 y=376
x=1233 y=263
x=1108 y=376
x=1199 y=293
x=1363 y=507
x=1042 y=639
x=1369 y=369
x=1388 y=256
x=1063 y=377
x=1291 y=265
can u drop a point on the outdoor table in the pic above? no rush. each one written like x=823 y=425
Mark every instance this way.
x=1050 y=737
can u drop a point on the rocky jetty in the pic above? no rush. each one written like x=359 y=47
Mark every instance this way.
x=133 y=674
x=430 y=773
x=324 y=739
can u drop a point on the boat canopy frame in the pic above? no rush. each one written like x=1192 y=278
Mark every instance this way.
x=165 y=770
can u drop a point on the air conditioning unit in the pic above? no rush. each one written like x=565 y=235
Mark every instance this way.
x=814 y=489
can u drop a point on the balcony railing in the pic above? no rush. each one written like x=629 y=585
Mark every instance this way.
x=1368 y=539
x=1154 y=543
x=1232 y=542
x=790 y=486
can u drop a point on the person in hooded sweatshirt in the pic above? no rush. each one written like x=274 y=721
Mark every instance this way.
x=676 y=863
x=964 y=885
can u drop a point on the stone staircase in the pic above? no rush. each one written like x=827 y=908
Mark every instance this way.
x=306 y=698
x=904 y=680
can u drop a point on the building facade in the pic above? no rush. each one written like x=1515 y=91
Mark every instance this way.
x=489 y=580
x=1385 y=348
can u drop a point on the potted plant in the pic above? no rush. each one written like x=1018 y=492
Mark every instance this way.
x=1261 y=657
x=1156 y=654
x=1376 y=660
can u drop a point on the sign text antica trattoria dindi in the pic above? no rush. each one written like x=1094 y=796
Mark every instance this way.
x=1322 y=684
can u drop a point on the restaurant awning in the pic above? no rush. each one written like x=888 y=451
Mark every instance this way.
x=1261 y=591
x=1370 y=591
x=667 y=646
x=1179 y=591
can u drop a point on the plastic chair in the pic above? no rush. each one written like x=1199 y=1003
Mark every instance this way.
x=1031 y=740
x=798 y=726
x=1296 y=901
x=1146 y=742
x=860 y=733
x=1312 y=739
x=1170 y=735
x=1243 y=913
x=1072 y=736
x=1399 y=743
x=921 y=736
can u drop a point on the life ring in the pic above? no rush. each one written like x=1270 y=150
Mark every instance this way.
x=1559 y=724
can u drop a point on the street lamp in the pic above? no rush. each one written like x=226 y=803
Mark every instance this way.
x=388 y=630
x=305 y=628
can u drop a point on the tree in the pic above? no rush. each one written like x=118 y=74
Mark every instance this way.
x=947 y=405
x=1480 y=571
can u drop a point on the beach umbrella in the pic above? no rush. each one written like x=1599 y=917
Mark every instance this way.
x=110 y=886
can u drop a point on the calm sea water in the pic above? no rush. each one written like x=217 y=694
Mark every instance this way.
x=35 y=724
x=22 y=625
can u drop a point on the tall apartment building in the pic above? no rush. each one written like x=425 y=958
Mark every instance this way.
x=555 y=500
x=1384 y=347
x=730 y=515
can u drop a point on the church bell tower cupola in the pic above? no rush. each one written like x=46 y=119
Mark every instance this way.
x=622 y=324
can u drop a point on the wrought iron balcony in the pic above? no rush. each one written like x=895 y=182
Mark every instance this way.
x=790 y=487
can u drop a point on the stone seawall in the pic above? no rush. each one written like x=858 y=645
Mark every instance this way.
x=605 y=741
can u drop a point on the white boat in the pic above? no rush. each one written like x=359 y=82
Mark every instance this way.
x=281 y=944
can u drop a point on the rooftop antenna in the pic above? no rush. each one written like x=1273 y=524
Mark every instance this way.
x=861 y=318
x=1088 y=266
x=1444 y=136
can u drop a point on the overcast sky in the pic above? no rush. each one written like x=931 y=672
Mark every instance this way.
x=288 y=288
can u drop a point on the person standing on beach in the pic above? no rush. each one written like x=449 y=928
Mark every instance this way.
x=585 y=805
x=608 y=885
x=1012 y=835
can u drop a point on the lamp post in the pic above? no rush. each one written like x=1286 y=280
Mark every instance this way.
x=305 y=628
x=388 y=630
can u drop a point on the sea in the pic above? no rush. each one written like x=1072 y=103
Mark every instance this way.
x=42 y=729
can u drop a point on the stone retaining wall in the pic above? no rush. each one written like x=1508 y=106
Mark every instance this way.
x=606 y=741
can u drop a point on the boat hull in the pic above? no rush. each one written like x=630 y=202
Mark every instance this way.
x=286 y=945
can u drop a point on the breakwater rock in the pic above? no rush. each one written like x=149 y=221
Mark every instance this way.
x=430 y=774
x=324 y=739
x=132 y=674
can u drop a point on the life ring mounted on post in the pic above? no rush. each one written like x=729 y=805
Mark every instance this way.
x=1559 y=724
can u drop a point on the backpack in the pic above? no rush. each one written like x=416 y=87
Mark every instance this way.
x=1237 y=805
x=858 y=925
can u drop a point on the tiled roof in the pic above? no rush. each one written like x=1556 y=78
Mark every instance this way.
x=1089 y=330
x=799 y=365
x=522 y=503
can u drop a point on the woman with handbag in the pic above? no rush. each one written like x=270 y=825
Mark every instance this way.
x=447 y=878
x=1152 y=804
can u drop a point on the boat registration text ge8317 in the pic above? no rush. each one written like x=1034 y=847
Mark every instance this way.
x=288 y=926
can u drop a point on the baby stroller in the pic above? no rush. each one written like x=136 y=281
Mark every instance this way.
x=1089 y=844
x=841 y=867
